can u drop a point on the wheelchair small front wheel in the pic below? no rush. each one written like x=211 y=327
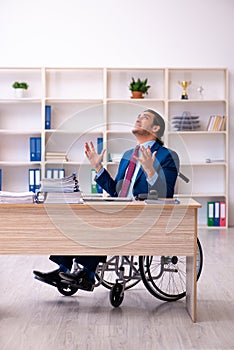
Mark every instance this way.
x=117 y=295
x=67 y=290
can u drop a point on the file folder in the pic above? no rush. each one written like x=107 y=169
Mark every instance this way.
x=38 y=149
x=47 y=117
x=31 y=180
x=37 y=177
x=210 y=213
x=222 y=214
x=34 y=178
x=61 y=173
x=216 y=214
x=32 y=149
x=55 y=173
x=49 y=173
x=99 y=145
x=35 y=149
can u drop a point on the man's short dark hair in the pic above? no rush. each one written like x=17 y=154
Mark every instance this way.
x=158 y=120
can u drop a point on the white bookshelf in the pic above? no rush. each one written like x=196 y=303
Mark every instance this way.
x=87 y=103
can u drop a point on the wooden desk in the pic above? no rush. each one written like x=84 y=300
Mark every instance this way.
x=109 y=228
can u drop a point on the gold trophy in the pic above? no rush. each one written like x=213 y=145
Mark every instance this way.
x=184 y=85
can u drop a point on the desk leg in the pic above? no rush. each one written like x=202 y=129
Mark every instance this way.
x=191 y=287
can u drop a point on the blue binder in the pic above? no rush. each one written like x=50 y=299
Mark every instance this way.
x=32 y=149
x=49 y=173
x=216 y=214
x=0 y=179
x=38 y=148
x=34 y=178
x=37 y=177
x=61 y=173
x=31 y=180
x=35 y=149
x=99 y=145
x=47 y=117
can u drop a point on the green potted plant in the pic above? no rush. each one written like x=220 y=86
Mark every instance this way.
x=138 y=88
x=19 y=88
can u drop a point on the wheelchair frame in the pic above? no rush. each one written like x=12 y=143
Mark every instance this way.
x=164 y=277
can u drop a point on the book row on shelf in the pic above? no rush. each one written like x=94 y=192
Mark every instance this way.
x=216 y=213
x=216 y=123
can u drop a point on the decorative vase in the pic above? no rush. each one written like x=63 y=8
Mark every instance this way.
x=137 y=94
x=19 y=93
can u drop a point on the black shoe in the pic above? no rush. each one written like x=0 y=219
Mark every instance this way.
x=52 y=277
x=79 y=279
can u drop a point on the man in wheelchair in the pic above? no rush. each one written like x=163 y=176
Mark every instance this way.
x=150 y=166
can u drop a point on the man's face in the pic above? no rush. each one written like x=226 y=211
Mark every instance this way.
x=144 y=124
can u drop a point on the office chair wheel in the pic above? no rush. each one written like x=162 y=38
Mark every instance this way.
x=117 y=294
x=113 y=265
x=165 y=276
x=67 y=290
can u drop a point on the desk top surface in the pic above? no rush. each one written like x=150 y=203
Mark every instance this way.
x=165 y=203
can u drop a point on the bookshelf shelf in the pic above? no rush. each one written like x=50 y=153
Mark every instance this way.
x=20 y=100
x=194 y=133
x=200 y=195
x=15 y=163
x=73 y=100
x=91 y=103
x=196 y=101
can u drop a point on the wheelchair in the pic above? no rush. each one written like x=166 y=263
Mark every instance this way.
x=163 y=276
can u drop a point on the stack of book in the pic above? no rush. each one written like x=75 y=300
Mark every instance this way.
x=216 y=123
x=58 y=157
x=65 y=190
x=185 y=122
x=16 y=197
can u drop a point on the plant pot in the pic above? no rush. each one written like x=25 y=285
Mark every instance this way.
x=137 y=94
x=19 y=93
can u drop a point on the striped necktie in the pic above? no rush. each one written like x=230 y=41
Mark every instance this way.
x=130 y=171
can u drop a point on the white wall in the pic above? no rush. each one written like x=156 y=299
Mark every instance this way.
x=157 y=33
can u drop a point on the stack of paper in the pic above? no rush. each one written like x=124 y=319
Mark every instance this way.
x=66 y=184
x=16 y=197
x=64 y=190
x=65 y=197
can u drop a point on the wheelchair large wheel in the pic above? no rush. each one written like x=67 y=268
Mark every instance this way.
x=114 y=264
x=165 y=276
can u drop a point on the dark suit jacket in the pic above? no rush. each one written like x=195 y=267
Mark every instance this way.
x=166 y=165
